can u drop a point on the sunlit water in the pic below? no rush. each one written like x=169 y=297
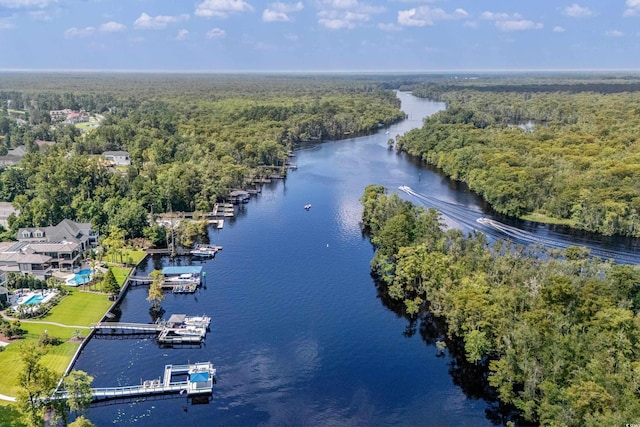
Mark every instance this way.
x=299 y=335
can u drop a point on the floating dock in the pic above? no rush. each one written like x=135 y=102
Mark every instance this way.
x=199 y=381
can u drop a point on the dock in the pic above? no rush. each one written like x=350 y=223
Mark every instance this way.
x=179 y=329
x=199 y=381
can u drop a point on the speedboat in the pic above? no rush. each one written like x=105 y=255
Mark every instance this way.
x=204 y=251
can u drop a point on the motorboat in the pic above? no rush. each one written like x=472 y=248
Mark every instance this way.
x=204 y=251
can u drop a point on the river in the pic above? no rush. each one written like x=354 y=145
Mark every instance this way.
x=299 y=335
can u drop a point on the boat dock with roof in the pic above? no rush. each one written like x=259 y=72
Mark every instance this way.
x=199 y=381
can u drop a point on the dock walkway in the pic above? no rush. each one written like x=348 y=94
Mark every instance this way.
x=200 y=380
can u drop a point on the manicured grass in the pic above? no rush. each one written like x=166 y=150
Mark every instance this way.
x=120 y=273
x=79 y=308
x=129 y=256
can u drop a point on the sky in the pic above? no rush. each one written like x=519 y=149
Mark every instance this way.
x=319 y=35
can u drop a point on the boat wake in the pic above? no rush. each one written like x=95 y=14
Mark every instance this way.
x=468 y=220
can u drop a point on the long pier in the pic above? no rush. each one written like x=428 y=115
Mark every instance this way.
x=132 y=328
x=200 y=380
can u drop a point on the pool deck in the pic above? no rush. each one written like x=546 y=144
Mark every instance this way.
x=22 y=297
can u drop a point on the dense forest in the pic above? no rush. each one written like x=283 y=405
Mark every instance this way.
x=556 y=333
x=565 y=152
x=192 y=139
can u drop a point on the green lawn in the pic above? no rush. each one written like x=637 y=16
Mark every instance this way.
x=79 y=308
x=128 y=256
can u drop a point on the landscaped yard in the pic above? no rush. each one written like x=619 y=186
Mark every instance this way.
x=76 y=309
x=79 y=308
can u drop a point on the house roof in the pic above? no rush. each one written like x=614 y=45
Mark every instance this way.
x=116 y=153
x=19 y=151
x=66 y=230
x=41 y=143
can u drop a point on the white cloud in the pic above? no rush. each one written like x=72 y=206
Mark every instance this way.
x=112 y=27
x=558 y=29
x=107 y=27
x=279 y=12
x=511 y=22
x=221 y=8
x=426 y=16
x=182 y=34
x=345 y=14
x=519 y=25
x=633 y=8
x=216 y=33
x=146 y=22
x=74 y=32
x=614 y=33
x=492 y=16
x=577 y=11
x=292 y=37
x=17 y=4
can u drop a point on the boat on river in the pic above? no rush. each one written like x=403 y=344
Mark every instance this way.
x=204 y=251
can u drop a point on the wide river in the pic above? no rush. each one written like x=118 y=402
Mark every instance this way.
x=299 y=335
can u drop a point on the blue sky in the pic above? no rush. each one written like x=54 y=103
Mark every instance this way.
x=319 y=35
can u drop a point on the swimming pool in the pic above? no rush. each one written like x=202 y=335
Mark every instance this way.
x=80 y=278
x=34 y=299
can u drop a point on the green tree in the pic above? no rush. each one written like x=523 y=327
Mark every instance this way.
x=37 y=384
x=109 y=283
x=81 y=421
x=78 y=386
x=156 y=295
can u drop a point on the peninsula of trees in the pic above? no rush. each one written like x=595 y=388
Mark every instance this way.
x=556 y=334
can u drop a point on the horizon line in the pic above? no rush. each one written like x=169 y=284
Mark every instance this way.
x=432 y=71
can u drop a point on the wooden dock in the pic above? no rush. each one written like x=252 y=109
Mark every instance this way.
x=200 y=380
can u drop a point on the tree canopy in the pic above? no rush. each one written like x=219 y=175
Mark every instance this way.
x=557 y=333
x=564 y=152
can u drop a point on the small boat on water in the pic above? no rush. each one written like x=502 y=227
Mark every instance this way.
x=197 y=321
x=308 y=206
x=204 y=251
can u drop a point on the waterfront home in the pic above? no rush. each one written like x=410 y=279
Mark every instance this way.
x=118 y=158
x=80 y=233
x=41 y=250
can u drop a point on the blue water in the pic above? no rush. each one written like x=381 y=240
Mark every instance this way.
x=299 y=335
x=81 y=277
x=35 y=299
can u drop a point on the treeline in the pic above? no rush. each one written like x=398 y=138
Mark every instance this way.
x=558 y=332
x=192 y=139
x=561 y=157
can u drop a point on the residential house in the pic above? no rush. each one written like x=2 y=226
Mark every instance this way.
x=41 y=249
x=42 y=144
x=13 y=156
x=118 y=158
